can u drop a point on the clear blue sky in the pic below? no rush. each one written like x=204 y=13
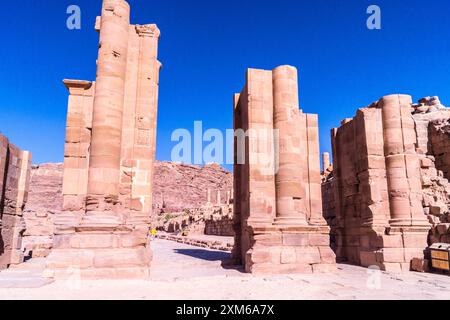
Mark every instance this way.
x=205 y=48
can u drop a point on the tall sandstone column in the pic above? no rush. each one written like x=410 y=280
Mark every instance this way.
x=326 y=161
x=278 y=215
x=105 y=150
x=289 y=182
x=402 y=162
x=108 y=176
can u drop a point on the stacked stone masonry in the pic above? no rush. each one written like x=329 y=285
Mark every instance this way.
x=44 y=202
x=15 y=166
x=109 y=155
x=278 y=210
x=386 y=198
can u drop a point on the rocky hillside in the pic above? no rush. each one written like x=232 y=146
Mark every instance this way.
x=181 y=186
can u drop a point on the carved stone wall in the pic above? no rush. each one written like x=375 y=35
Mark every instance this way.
x=15 y=166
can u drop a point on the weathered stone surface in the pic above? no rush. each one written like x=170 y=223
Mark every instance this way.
x=44 y=201
x=179 y=186
x=110 y=151
x=388 y=186
x=277 y=209
x=15 y=166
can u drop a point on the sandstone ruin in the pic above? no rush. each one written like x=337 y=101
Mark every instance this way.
x=109 y=154
x=212 y=218
x=15 y=165
x=387 y=194
x=381 y=201
x=278 y=209
x=45 y=200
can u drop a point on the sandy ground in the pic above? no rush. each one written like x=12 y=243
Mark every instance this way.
x=190 y=273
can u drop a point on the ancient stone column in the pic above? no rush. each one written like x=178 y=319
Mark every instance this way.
x=219 y=200
x=290 y=188
x=104 y=164
x=208 y=197
x=402 y=162
x=325 y=161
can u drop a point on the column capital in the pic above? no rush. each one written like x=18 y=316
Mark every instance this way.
x=148 y=30
x=77 y=87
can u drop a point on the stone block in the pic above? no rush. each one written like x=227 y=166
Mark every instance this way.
x=412 y=240
x=66 y=259
x=119 y=258
x=296 y=239
x=319 y=240
x=327 y=256
x=368 y=258
x=412 y=253
x=420 y=265
x=391 y=255
x=288 y=255
x=259 y=256
x=94 y=241
x=310 y=255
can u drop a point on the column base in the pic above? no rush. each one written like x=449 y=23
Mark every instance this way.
x=290 y=250
x=395 y=249
x=93 y=256
x=290 y=221
x=408 y=223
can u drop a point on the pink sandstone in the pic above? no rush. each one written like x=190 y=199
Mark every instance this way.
x=278 y=218
x=109 y=155
x=15 y=166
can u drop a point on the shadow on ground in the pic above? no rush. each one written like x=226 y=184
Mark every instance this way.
x=204 y=254
x=207 y=255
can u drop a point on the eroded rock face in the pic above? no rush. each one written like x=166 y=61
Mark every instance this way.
x=178 y=186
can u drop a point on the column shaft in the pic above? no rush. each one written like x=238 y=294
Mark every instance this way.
x=402 y=163
x=289 y=182
x=104 y=164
